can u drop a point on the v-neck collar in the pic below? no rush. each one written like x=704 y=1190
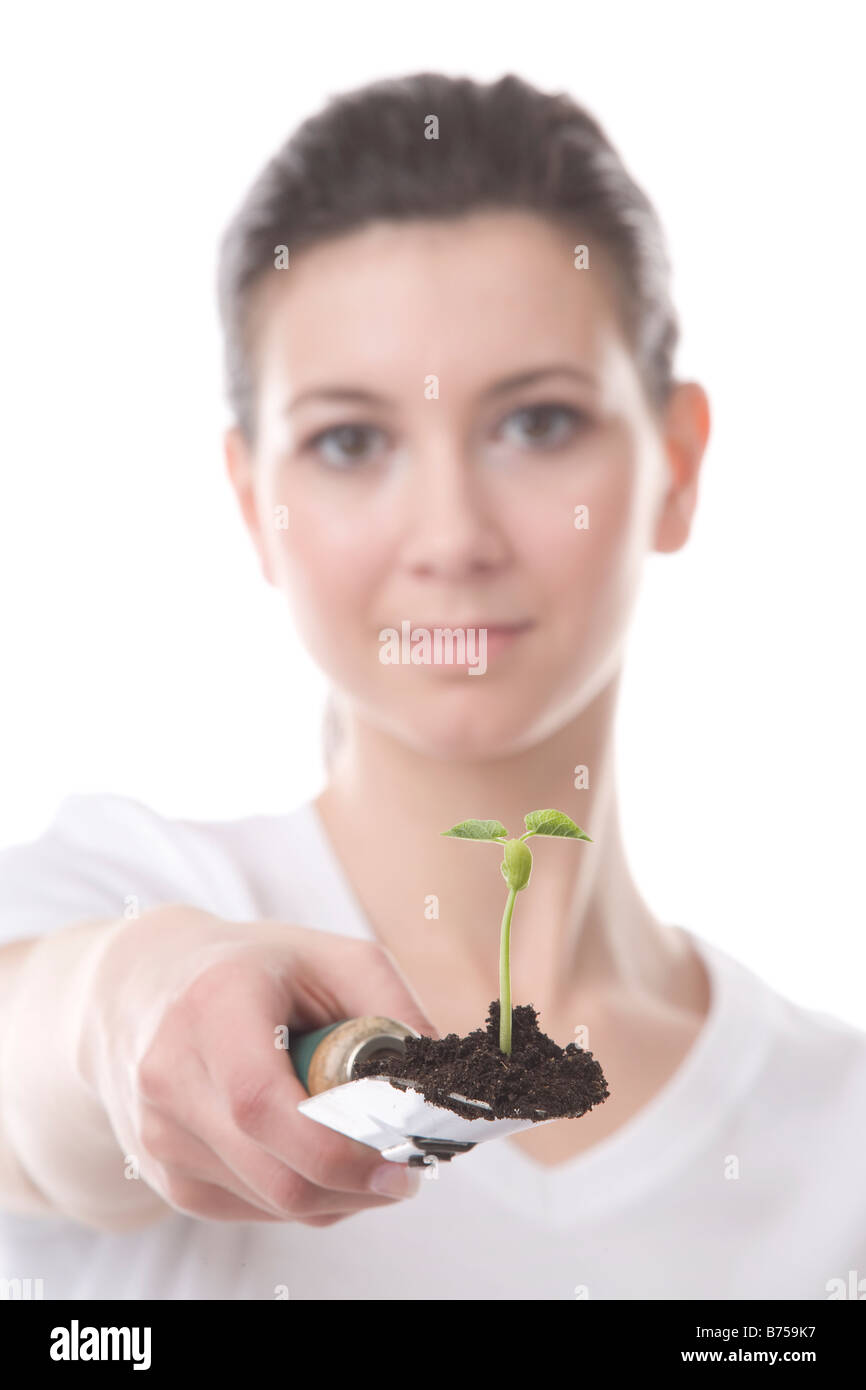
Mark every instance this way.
x=658 y=1139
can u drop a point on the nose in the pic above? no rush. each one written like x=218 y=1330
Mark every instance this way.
x=452 y=528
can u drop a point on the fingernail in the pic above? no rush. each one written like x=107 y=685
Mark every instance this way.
x=395 y=1180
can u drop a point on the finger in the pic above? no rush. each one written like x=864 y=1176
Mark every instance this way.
x=258 y=1094
x=206 y=1201
x=212 y=1151
x=358 y=978
x=172 y=1148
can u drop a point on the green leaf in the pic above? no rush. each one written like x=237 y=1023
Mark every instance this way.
x=478 y=830
x=554 y=823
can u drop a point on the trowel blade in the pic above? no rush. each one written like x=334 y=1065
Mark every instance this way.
x=374 y=1112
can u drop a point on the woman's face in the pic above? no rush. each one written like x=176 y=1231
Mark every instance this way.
x=452 y=434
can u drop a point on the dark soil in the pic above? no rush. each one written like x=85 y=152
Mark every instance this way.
x=538 y=1080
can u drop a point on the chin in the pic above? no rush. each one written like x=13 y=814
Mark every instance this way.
x=464 y=730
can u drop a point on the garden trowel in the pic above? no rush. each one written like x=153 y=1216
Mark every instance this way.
x=386 y=1113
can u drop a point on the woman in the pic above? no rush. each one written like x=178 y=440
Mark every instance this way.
x=449 y=344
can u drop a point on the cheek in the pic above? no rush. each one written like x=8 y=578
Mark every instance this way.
x=582 y=546
x=326 y=567
x=579 y=527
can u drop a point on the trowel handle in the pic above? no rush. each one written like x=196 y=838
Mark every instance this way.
x=327 y=1056
x=303 y=1045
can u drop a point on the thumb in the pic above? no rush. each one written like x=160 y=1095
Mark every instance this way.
x=365 y=979
x=388 y=983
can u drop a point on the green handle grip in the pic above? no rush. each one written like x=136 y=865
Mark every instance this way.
x=303 y=1046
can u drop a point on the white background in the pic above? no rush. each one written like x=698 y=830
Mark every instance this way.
x=143 y=653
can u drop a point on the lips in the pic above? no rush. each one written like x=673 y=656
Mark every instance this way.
x=481 y=623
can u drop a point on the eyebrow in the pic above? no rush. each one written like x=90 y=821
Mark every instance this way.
x=500 y=388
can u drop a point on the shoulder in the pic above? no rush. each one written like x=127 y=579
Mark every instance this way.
x=821 y=1054
x=801 y=1032
x=807 y=1065
x=747 y=1000
x=102 y=855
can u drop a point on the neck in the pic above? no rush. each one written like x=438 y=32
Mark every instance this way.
x=580 y=925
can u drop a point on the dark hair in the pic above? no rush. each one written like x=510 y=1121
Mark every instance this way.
x=502 y=144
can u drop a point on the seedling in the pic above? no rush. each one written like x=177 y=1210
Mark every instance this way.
x=516 y=867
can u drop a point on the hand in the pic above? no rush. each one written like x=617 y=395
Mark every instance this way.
x=177 y=1040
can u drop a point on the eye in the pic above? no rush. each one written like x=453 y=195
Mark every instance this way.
x=347 y=444
x=534 y=423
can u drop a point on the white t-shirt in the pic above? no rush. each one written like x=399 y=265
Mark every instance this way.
x=744 y=1177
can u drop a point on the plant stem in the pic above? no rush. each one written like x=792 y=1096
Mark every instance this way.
x=505 y=975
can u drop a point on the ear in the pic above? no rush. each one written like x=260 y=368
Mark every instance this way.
x=685 y=429
x=240 y=466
